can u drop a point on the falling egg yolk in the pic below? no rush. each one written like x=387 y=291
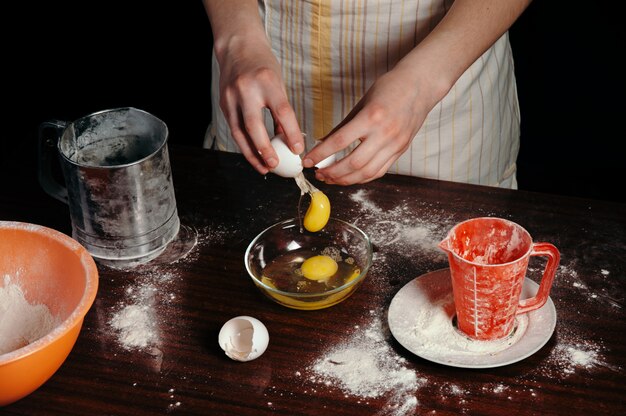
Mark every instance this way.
x=319 y=268
x=318 y=213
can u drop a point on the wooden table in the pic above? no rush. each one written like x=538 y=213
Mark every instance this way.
x=580 y=370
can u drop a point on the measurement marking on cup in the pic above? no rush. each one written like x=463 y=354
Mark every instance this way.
x=475 y=306
x=512 y=299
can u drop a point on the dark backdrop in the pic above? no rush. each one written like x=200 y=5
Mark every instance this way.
x=571 y=88
x=66 y=59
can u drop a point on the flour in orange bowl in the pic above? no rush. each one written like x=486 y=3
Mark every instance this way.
x=20 y=321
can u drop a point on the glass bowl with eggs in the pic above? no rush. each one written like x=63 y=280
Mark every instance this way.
x=307 y=270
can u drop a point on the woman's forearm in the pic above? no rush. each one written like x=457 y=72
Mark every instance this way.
x=467 y=30
x=234 y=24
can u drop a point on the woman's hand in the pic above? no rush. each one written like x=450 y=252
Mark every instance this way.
x=251 y=81
x=384 y=121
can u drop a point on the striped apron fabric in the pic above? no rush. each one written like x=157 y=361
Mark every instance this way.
x=331 y=52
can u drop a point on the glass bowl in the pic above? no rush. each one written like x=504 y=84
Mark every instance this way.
x=274 y=257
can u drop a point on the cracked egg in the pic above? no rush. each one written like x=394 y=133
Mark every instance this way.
x=244 y=338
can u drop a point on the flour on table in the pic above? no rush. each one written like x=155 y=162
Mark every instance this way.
x=497 y=388
x=568 y=358
x=366 y=366
x=413 y=231
x=405 y=238
x=20 y=321
x=136 y=319
x=136 y=326
x=593 y=286
x=572 y=354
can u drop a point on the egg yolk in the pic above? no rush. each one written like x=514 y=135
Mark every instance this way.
x=318 y=213
x=319 y=268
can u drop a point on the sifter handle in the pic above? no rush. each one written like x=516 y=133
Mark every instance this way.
x=47 y=148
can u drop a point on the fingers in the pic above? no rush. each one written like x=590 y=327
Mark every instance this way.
x=366 y=162
x=241 y=136
x=287 y=124
x=368 y=175
x=245 y=118
x=255 y=129
x=370 y=159
x=380 y=144
x=338 y=140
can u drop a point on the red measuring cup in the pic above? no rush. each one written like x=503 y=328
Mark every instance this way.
x=488 y=260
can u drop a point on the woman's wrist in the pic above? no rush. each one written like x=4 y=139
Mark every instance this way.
x=236 y=26
x=429 y=83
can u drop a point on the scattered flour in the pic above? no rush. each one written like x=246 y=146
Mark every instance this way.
x=136 y=326
x=405 y=239
x=499 y=388
x=367 y=367
x=402 y=227
x=136 y=320
x=137 y=317
x=20 y=321
x=581 y=358
x=571 y=355
x=593 y=286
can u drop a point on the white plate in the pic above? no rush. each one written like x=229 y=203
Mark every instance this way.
x=420 y=318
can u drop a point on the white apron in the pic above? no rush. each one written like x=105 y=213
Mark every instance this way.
x=332 y=51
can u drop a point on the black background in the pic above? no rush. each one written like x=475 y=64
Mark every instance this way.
x=65 y=59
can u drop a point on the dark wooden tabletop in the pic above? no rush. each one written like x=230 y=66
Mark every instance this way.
x=225 y=204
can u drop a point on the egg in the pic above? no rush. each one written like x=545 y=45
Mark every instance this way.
x=289 y=164
x=318 y=213
x=244 y=338
x=320 y=268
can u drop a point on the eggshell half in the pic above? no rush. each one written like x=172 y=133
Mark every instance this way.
x=244 y=338
x=326 y=162
x=289 y=164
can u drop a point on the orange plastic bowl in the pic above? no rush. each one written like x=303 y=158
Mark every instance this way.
x=51 y=269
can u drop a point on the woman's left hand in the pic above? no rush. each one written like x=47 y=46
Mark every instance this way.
x=384 y=121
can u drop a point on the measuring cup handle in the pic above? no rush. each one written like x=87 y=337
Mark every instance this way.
x=46 y=154
x=553 y=255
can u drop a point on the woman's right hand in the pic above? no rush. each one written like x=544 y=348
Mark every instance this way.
x=250 y=81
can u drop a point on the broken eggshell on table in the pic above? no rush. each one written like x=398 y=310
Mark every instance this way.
x=290 y=164
x=244 y=338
